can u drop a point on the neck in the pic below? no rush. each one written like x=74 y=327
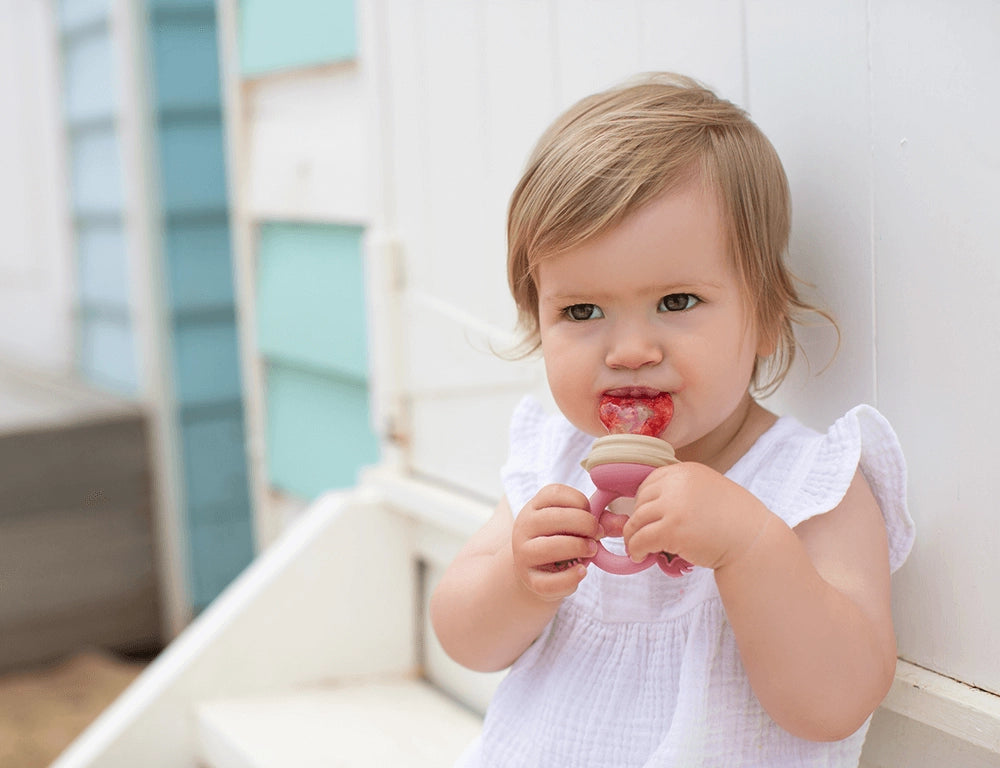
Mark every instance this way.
x=726 y=444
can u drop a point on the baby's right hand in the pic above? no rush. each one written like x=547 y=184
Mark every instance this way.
x=551 y=538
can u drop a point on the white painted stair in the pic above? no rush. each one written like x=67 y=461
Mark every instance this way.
x=316 y=654
x=396 y=723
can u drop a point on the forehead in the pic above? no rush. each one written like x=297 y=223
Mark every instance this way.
x=677 y=239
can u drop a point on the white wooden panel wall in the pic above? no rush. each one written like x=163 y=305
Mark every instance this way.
x=35 y=267
x=808 y=91
x=465 y=91
x=309 y=156
x=936 y=176
x=884 y=113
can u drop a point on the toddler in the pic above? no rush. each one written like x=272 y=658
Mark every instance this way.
x=645 y=254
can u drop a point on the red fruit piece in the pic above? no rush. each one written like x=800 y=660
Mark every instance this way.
x=636 y=415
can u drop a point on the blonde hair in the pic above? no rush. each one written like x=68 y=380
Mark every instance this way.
x=614 y=151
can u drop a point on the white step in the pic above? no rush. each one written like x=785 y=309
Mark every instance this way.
x=400 y=723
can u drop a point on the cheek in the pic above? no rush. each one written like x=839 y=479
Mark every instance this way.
x=555 y=365
x=561 y=376
x=570 y=387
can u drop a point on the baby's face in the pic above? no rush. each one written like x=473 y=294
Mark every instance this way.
x=654 y=305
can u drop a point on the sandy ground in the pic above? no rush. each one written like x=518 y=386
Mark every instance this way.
x=43 y=710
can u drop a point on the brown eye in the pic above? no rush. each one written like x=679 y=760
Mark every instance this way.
x=583 y=312
x=678 y=302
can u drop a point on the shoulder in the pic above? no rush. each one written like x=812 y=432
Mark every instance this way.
x=801 y=473
x=544 y=448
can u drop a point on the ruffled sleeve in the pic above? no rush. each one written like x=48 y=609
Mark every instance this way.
x=808 y=473
x=544 y=448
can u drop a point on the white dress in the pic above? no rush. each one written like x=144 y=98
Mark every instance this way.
x=643 y=670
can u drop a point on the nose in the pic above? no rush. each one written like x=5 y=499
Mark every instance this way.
x=633 y=346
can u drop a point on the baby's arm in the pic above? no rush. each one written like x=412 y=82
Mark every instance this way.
x=810 y=607
x=506 y=583
x=812 y=615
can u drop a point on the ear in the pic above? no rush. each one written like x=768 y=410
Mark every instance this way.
x=767 y=339
x=765 y=347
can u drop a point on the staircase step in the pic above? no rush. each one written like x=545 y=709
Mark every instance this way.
x=405 y=723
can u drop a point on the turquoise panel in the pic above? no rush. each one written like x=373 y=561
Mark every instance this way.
x=284 y=34
x=215 y=475
x=206 y=361
x=218 y=553
x=181 y=5
x=107 y=353
x=76 y=13
x=89 y=79
x=199 y=266
x=102 y=267
x=185 y=63
x=311 y=302
x=318 y=431
x=96 y=172
x=192 y=166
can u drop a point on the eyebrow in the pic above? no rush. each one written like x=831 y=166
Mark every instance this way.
x=599 y=296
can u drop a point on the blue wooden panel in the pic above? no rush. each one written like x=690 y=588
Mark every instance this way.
x=193 y=166
x=318 y=431
x=96 y=172
x=206 y=361
x=185 y=63
x=102 y=267
x=215 y=474
x=199 y=291
x=218 y=553
x=311 y=300
x=76 y=13
x=285 y=34
x=182 y=5
x=199 y=266
x=89 y=78
x=107 y=353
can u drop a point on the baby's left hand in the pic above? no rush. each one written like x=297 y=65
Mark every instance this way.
x=691 y=510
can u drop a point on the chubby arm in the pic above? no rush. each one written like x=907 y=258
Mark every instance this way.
x=810 y=607
x=508 y=580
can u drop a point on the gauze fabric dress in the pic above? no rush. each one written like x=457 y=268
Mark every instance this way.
x=643 y=670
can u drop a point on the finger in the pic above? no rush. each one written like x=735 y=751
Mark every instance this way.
x=549 y=521
x=556 y=584
x=543 y=552
x=642 y=540
x=556 y=495
x=660 y=484
x=613 y=524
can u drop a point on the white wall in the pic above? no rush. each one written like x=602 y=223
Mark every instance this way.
x=884 y=113
x=35 y=268
x=936 y=179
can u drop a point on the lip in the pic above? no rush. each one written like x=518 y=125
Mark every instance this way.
x=648 y=392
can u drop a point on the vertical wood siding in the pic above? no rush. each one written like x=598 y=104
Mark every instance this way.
x=199 y=292
x=307 y=201
x=292 y=34
x=313 y=343
x=106 y=345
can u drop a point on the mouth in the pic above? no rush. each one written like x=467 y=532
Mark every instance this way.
x=636 y=392
x=636 y=410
